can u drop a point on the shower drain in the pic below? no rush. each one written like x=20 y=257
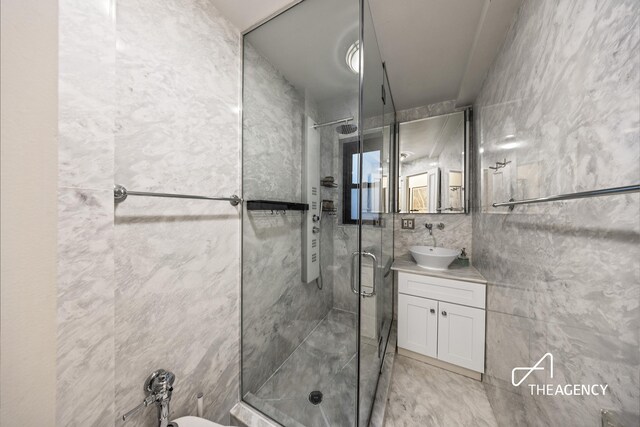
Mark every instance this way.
x=315 y=397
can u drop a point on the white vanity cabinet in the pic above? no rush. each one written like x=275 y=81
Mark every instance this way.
x=461 y=336
x=443 y=319
x=418 y=324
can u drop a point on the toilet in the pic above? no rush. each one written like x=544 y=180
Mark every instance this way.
x=190 y=421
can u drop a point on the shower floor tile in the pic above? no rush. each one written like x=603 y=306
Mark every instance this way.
x=424 y=395
x=325 y=361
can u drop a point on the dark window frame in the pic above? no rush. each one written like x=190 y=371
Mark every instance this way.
x=348 y=150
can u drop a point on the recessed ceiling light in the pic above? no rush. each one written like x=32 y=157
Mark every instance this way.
x=353 y=57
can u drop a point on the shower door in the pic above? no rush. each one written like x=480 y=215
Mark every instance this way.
x=300 y=128
x=316 y=245
x=376 y=219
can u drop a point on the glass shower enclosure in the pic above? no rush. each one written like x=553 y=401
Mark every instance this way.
x=318 y=127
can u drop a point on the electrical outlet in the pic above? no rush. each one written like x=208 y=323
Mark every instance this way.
x=408 y=223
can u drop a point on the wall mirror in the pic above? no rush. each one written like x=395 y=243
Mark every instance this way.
x=433 y=165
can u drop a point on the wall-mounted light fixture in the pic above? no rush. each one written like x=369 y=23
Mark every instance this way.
x=353 y=57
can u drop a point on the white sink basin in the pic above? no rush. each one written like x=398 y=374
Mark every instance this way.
x=432 y=257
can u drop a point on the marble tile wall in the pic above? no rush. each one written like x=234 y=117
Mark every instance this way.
x=327 y=222
x=456 y=233
x=278 y=310
x=148 y=99
x=177 y=292
x=86 y=293
x=563 y=277
x=345 y=238
x=85 y=308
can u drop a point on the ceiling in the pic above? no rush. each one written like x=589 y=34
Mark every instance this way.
x=438 y=50
x=314 y=60
x=435 y=50
x=428 y=137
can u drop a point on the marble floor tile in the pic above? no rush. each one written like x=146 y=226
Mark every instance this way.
x=325 y=361
x=423 y=395
x=369 y=370
x=384 y=383
x=508 y=408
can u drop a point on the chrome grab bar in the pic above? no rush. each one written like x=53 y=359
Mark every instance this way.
x=120 y=194
x=581 y=195
x=375 y=274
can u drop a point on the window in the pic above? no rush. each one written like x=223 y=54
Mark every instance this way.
x=372 y=196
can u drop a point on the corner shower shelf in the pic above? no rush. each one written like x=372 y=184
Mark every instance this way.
x=273 y=205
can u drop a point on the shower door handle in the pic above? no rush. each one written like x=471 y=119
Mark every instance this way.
x=375 y=274
x=352 y=275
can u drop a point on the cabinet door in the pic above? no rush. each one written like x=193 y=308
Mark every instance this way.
x=461 y=336
x=418 y=324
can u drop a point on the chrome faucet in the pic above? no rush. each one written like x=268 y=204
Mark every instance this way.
x=429 y=226
x=158 y=386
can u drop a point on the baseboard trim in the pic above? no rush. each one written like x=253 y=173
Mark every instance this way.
x=440 y=364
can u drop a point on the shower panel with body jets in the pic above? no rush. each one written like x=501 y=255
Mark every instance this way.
x=312 y=164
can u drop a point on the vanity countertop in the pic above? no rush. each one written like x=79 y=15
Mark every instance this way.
x=467 y=274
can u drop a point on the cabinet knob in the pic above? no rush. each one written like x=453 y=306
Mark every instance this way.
x=444 y=313
x=433 y=310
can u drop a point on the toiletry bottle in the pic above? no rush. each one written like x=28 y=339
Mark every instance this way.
x=463 y=259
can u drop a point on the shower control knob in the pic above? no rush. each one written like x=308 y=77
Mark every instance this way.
x=316 y=230
x=315 y=218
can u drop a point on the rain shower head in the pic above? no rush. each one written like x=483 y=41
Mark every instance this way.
x=346 y=129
